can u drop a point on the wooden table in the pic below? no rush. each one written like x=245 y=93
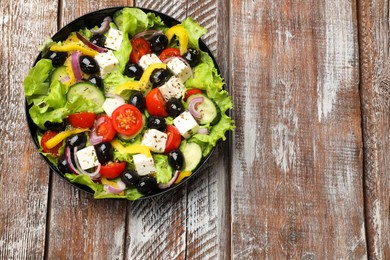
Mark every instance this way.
x=305 y=175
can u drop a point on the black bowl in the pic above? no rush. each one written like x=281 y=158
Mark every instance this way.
x=91 y=20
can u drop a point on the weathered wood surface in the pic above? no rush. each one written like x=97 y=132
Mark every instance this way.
x=297 y=157
x=374 y=29
x=304 y=176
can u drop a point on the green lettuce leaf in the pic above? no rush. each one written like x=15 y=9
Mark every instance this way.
x=194 y=30
x=36 y=84
x=163 y=170
x=134 y=20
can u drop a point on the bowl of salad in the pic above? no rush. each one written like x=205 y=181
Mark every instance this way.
x=127 y=103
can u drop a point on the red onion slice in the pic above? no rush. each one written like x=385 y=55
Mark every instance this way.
x=203 y=131
x=192 y=107
x=74 y=59
x=171 y=181
x=111 y=189
x=68 y=158
x=147 y=34
x=94 y=138
x=90 y=44
x=183 y=60
x=104 y=27
x=93 y=175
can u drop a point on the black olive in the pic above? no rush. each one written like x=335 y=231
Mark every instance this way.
x=133 y=70
x=96 y=80
x=157 y=122
x=147 y=185
x=192 y=56
x=158 y=43
x=57 y=58
x=88 y=64
x=104 y=152
x=137 y=100
x=58 y=127
x=77 y=140
x=63 y=165
x=98 y=39
x=176 y=159
x=174 y=107
x=130 y=178
x=159 y=77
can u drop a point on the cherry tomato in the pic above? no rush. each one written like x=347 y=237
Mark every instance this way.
x=112 y=169
x=82 y=119
x=168 y=53
x=49 y=134
x=173 y=140
x=155 y=103
x=105 y=129
x=192 y=91
x=127 y=119
x=140 y=47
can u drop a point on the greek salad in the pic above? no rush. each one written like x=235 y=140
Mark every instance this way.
x=130 y=107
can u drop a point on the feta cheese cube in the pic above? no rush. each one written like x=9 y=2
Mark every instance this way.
x=155 y=140
x=107 y=62
x=87 y=157
x=114 y=39
x=110 y=104
x=144 y=165
x=148 y=59
x=186 y=124
x=179 y=69
x=174 y=87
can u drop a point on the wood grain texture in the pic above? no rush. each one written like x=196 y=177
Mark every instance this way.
x=24 y=177
x=79 y=226
x=374 y=42
x=297 y=150
x=198 y=211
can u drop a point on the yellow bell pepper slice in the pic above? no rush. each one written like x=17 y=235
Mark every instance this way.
x=134 y=85
x=62 y=135
x=74 y=47
x=144 y=80
x=149 y=70
x=182 y=175
x=182 y=34
x=132 y=149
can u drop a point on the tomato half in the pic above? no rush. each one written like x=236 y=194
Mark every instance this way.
x=127 y=119
x=105 y=128
x=192 y=91
x=155 y=103
x=82 y=119
x=49 y=134
x=173 y=140
x=112 y=169
x=168 y=53
x=140 y=47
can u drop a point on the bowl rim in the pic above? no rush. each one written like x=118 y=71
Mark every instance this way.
x=71 y=26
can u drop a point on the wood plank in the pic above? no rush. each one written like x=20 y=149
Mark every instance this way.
x=91 y=229
x=374 y=29
x=297 y=157
x=24 y=177
x=208 y=225
x=194 y=226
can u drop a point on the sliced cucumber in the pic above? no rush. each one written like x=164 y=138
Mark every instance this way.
x=210 y=112
x=118 y=19
x=192 y=156
x=59 y=74
x=87 y=90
